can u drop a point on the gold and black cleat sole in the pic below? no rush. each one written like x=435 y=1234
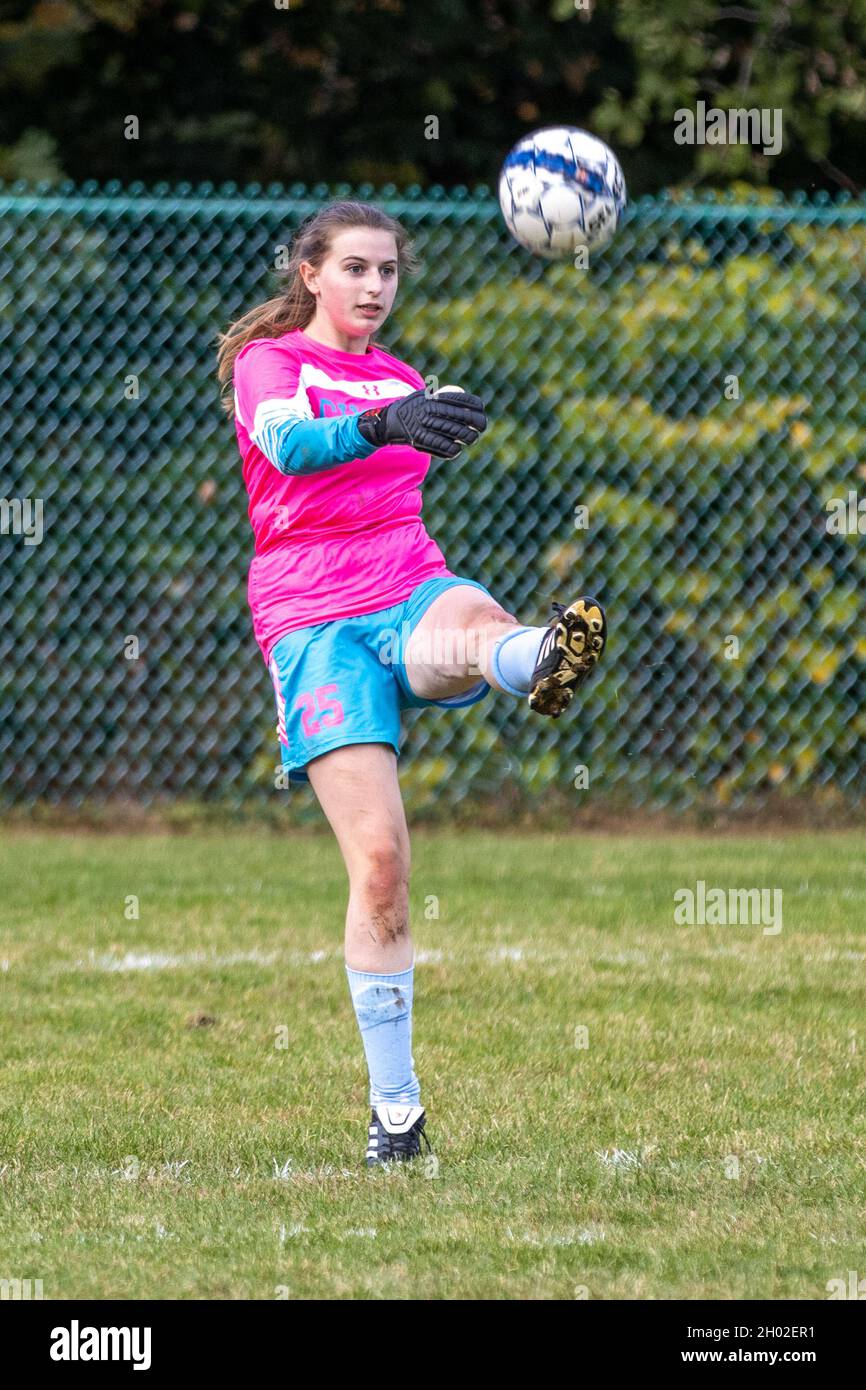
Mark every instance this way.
x=568 y=655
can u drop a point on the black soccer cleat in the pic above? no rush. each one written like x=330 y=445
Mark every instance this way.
x=568 y=655
x=395 y=1133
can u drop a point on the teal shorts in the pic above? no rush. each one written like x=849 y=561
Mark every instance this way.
x=344 y=681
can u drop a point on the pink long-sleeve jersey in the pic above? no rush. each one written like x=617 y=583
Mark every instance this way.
x=343 y=541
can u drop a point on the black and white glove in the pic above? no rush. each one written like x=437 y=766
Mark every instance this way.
x=439 y=425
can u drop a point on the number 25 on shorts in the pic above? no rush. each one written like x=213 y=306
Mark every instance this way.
x=329 y=709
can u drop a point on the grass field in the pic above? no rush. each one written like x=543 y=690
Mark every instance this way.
x=708 y=1141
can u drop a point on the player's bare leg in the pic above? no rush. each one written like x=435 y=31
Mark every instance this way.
x=462 y=637
x=359 y=792
x=449 y=650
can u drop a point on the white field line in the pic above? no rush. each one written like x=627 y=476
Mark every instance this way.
x=144 y=960
x=164 y=960
x=589 y=1235
x=133 y=960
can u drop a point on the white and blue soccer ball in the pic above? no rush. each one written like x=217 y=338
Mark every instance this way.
x=561 y=189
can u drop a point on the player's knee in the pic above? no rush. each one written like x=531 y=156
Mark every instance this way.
x=382 y=889
x=483 y=631
x=487 y=615
x=384 y=874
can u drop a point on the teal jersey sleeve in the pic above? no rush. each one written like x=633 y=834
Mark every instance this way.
x=297 y=446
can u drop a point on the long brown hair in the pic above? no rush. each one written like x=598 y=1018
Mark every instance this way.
x=294 y=306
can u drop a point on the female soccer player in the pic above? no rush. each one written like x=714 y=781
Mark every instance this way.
x=352 y=603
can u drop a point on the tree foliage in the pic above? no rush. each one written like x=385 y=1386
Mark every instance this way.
x=390 y=90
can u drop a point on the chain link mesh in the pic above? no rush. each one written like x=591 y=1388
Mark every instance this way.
x=678 y=429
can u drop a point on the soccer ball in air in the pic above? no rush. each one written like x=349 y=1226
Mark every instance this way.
x=561 y=189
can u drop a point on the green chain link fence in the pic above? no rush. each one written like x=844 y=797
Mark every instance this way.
x=680 y=429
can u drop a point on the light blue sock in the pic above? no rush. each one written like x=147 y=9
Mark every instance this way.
x=383 y=1008
x=514 y=658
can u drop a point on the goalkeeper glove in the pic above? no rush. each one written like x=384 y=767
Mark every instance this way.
x=439 y=425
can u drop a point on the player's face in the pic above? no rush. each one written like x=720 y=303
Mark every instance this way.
x=360 y=271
